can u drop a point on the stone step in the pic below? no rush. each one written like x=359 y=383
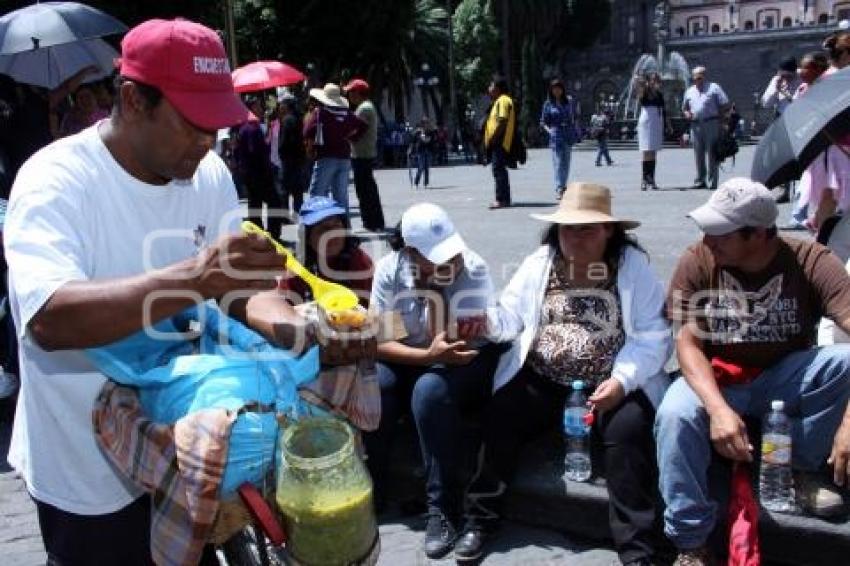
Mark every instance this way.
x=540 y=497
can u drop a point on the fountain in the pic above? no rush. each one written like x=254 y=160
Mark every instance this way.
x=675 y=78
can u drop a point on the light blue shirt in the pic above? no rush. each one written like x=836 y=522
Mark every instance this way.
x=394 y=289
x=705 y=103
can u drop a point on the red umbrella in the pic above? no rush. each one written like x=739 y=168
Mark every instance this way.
x=261 y=75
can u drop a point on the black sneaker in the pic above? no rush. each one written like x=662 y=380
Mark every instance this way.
x=470 y=545
x=440 y=535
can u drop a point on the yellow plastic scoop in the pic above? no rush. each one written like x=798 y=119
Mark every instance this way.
x=332 y=297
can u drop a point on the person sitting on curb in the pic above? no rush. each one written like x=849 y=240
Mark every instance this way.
x=747 y=297
x=435 y=284
x=585 y=305
x=330 y=251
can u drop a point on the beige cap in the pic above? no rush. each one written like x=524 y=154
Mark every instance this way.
x=736 y=204
x=699 y=70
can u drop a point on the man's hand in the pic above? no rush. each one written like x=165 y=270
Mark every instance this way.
x=237 y=262
x=450 y=353
x=729 y=435
x=688 y=115
x=608 y=395
x=839 y=458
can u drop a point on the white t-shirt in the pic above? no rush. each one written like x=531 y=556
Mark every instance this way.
x=76 y=214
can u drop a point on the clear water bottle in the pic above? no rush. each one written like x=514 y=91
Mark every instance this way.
x=577 y=435
x=776 y=484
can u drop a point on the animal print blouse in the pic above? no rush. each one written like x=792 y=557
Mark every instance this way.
x=580 y=330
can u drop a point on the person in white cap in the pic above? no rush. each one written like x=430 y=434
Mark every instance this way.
x=441 y=290
x=705 y=106
x=585 y=306
x=745 y=302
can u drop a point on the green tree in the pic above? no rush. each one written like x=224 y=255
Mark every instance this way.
x=557 y=25
x=476 y=42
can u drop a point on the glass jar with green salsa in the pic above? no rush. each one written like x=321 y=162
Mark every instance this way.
x=325 y=495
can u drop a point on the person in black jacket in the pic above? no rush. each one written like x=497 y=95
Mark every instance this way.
x=292 y=154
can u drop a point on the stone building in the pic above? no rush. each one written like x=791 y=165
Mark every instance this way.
x=739 y=41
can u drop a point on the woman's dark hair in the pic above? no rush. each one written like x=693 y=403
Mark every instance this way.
x=815 y=59
x=149 y=94
x=557 y=82
x=614 y=249
x=836 y=44
x=311 y=261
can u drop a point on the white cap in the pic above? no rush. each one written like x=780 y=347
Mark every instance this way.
x=777 y=405
x=428 y=228
x=737 y=203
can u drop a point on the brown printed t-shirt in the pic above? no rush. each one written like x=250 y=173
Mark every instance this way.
x=754 y=320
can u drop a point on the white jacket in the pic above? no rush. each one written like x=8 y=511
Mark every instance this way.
x=649 y=343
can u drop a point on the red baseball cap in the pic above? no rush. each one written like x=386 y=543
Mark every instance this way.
x=356 y=85
x=187 y=62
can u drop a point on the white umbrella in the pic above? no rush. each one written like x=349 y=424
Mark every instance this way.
x=53 y=23
x=49 y=67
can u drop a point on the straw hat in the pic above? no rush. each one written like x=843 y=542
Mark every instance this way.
x=330 y=95
x=585 y=203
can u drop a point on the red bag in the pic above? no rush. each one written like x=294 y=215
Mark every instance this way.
x=729 y=373
x=744 y=549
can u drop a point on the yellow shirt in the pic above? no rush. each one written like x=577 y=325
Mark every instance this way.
x=503 y=109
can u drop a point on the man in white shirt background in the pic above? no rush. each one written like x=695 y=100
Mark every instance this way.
x=705 y=106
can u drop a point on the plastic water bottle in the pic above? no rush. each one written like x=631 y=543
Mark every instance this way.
x=776 y=484
x=577 y=435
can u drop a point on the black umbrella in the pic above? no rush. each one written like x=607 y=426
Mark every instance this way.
x=805 y=129
x=53 y=23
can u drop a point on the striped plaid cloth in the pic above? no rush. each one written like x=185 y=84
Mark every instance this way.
x=181 y=466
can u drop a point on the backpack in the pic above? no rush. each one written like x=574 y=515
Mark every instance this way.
x=725 y=147
x=518 y=154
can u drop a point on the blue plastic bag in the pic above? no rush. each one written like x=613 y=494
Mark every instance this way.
x=236 y=369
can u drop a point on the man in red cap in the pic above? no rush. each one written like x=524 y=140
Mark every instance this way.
x=363 y=154
x=126 y=223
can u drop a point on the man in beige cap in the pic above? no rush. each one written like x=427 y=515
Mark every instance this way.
x=705 y=106
x=745 y=302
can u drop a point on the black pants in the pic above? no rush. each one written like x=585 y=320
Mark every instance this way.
x=500 y=175
x=261 y=190
x=371 y=212
x=530 y=404
x=121 y=538
x=293 y=183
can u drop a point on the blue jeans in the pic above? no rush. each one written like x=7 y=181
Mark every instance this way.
x=602 y=151
x=423 y=167
x=561 y=165
x=814 y=384
x=330 y=178
x=436 y=395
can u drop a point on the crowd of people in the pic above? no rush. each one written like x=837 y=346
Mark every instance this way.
x=585 y=304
